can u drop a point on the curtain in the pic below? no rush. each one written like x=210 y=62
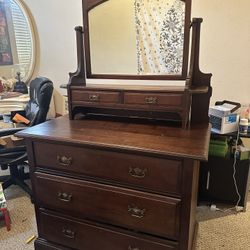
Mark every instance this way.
x=159 y=28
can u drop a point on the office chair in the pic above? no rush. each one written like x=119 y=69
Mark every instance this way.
x=15 y=157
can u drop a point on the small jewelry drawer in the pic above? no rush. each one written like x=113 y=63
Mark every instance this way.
x=127 y=208
x=89 y=96
x=154 y=99
x=83 y=235
x=155 y=174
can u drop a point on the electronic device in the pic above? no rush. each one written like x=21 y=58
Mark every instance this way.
x=224 y=117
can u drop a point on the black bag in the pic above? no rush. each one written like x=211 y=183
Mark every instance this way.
x=21 y=87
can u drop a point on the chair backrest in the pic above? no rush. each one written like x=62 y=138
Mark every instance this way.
x=41 y=89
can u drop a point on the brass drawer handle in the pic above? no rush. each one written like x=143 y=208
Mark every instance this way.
x=133 y=248
x=64 y=160
x=94 y=98
x=151 y=100
x=68 y=233
x=64 y=197
x=136 y=212
x=138 y=172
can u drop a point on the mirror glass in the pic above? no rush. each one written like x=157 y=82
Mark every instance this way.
x=136 y=37
x=16 y=40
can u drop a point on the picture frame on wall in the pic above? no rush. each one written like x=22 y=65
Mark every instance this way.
x=6 y=57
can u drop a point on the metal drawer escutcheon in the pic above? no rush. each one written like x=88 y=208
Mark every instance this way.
x=64 y=197
x=68 y=233
x=64 y=160
x=94 y=98
x=151 y=100
x=136 y=212
x=138 y=172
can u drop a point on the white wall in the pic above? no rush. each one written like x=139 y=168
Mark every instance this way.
x=225 y=43
x=55 y=21
x=225 y=46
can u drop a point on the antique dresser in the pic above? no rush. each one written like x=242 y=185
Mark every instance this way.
x=115 y=185
x=121 y=171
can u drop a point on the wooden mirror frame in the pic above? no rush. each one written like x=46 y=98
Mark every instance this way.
x=88 y=5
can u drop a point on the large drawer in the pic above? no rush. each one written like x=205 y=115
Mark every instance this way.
x=154 y=99
x=153 y=214
x=157 y=174
x=90 y=96
x=84 y=236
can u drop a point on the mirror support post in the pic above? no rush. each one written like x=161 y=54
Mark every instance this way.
x=197 y=79
x=78 y=77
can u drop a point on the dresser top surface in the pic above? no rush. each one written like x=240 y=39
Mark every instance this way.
x=152 y=138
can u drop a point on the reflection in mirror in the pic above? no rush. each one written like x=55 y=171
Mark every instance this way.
x=16 y=40
x=137 y=37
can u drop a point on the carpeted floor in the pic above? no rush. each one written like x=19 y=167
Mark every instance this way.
x=223 y=230
x=217 y=230
x=23 y=223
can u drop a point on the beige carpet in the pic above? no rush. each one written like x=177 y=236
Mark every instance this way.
x=223 y=230
x=217 y=230
x=23 y=224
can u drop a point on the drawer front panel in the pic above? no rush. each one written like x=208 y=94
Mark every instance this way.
x=81 y=235
x=154 y=214
x=153 y=99
x=96 y=96
x=162 y=175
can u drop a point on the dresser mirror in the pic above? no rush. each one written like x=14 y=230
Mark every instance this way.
x=136 y=39
x=17 y=43
x=139 y=40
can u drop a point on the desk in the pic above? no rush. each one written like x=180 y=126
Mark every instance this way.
x=7 y=139
x=6 y=125
x=19 y=103
x=13 y=103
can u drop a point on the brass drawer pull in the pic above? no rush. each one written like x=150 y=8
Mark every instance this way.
x=94 y=98
x=151 y=100
x=138 y=172
x=64 y=160
x=68 y=233
x=136 y=212
x=64 y=197
x=133 y=248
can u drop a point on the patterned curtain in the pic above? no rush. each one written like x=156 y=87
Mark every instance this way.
x=159 y=36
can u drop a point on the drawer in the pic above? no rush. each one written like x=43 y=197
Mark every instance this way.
x=154 y=99
x=96 y=96
x=157 y=174
x=82 y=235
x=144 y=212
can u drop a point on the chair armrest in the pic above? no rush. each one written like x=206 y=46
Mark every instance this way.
x=13 y=156
x=19 y=159
x=10 y=131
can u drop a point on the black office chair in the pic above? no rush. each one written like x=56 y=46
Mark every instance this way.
x=15 y=158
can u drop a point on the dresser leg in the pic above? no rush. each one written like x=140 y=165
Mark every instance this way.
x=195 y=235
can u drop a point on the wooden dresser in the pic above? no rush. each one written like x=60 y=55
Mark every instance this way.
x=115 y=185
